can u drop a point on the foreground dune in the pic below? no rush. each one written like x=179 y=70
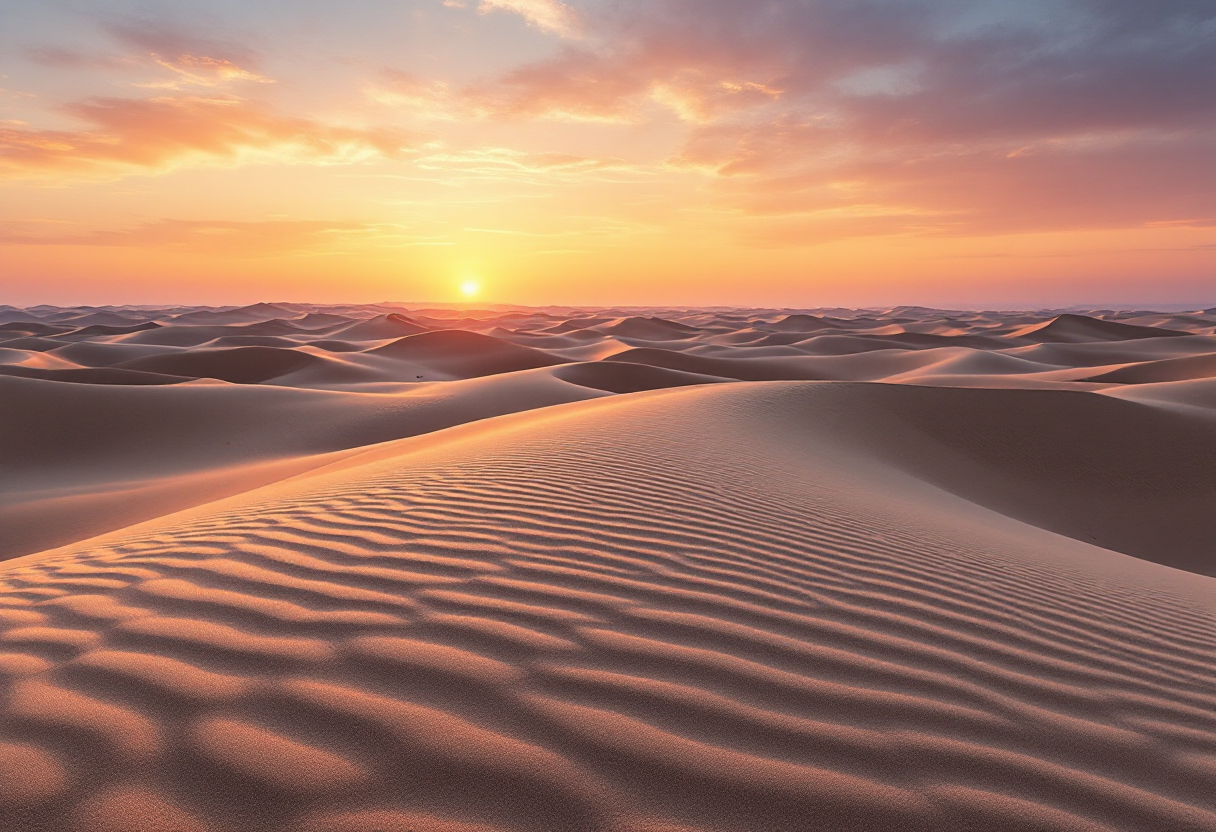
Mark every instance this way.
x=374 y=569
x=78 y=460
x=719 y=607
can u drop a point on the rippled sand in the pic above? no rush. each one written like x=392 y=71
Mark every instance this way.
x=967 y=587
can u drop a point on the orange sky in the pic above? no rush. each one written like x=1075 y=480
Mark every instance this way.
x=801 y=153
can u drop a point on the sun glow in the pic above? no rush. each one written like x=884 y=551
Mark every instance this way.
x=470 y=288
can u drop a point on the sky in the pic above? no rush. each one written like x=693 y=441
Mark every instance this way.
x=650 y=152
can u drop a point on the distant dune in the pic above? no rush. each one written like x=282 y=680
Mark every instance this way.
x=648 y=329
x=629 y=570
x=242 y=365
x=380 y=328
x=462 y=354
x=1167 y=369
x=1075 y=328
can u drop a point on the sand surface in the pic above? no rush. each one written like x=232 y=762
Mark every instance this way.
x=378 y=569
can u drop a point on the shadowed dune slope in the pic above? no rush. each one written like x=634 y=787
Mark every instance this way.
x=743 y=369
x=14 y=328
x=462 y=354
x=574 y=325
x=1196 y=396
x=105 y=354
x=34 y=343
x=1080 y=328
x=648 y=329
x=714 y=608
x=1124 y=476
x=382 y=327
x=1167 y=369
x=192 y=336
x=94 y=375
x=800 y=323
x=620 y=377
x=240 y=365
x=101 y=329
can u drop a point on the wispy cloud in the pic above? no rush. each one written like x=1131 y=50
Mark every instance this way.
x=155 y=38
x=126 y=135
x=202 y=71
x=426 y=98
x=498 y=163
x=185 y=69
x=213 y=237
x=61 y=58
x=546 y=15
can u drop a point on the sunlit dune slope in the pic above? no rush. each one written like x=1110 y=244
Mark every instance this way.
x=771 y=606
x=77 y=460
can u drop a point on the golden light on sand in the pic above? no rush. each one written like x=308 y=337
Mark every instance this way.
x=470 y=288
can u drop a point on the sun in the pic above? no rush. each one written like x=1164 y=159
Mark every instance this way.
x=470 y=288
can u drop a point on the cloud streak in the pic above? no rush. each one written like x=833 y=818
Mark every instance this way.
x=546 y=15
x=209 y=237
x=125 y=135
x=203 y=71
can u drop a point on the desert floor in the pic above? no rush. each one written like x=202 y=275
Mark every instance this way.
x=376 y=569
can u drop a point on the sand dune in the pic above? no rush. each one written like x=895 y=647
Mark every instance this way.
x=623 y=377
x=98 y=375
x=742 y=369
x=1079 y=328
x=380 y=328
x=460 y=354
x=101 y=329
x=241 y=365
x=648 y=329
x=1167 y=369
x=1196 y=396
x=800 y=323
x=16 y=328
x=572 y=581
x=105 y=353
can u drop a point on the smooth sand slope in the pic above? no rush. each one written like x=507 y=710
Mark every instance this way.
x=595 y=593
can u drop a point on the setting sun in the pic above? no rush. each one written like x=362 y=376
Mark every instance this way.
x=470 y=288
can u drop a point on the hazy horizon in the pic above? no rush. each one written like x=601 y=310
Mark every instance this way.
x=503 y=306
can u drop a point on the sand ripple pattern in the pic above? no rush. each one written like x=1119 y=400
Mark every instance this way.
x=628 y=618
